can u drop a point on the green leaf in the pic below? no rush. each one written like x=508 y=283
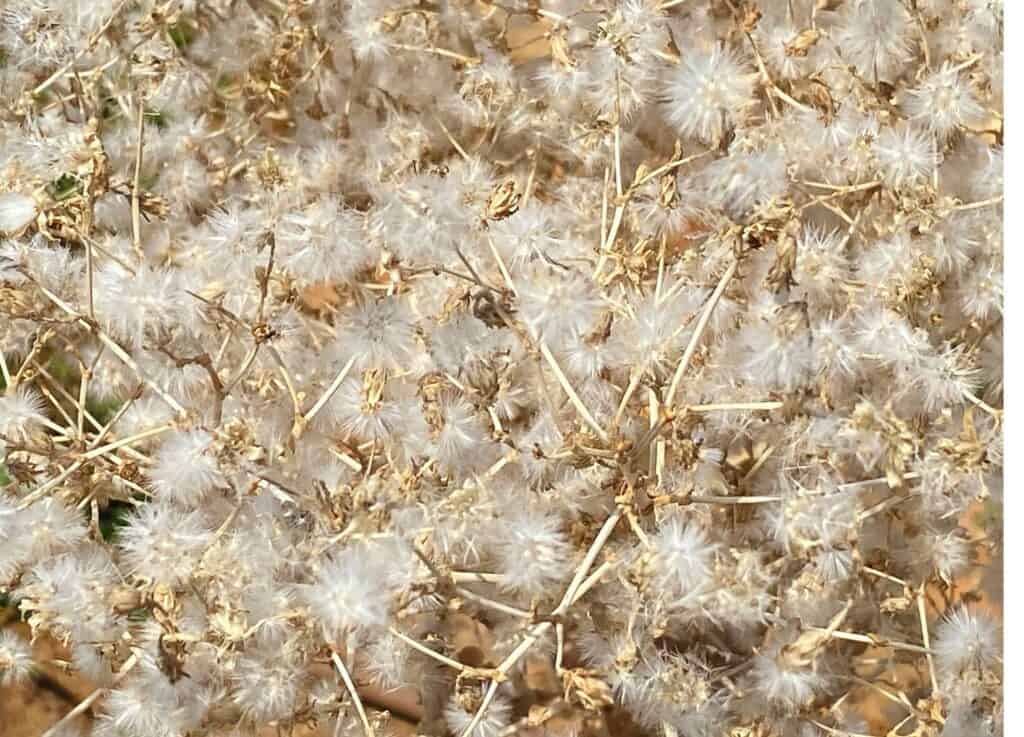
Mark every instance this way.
x=181 y=34
x=66 y=186
x=114 y=516
x=156 y=117
x=103 y=409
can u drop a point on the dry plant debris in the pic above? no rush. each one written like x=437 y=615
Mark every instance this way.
x=573 y=367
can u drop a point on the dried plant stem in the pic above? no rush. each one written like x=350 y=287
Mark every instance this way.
x=584 y=587
x=900 y=698
x=105 y=429
x=89 y=45
x=573 y=396
x=116 y=349
x=559 y=646
x=653 y=415
x=59 y=388
x=530 y=179
x=33 y=496
x=761 y=460
x=136 y=211
x=539 y=629
x=620 y=199
x=451 y=139
x=475 y=577
x=604 y=205
x=841 y=188
x=698 y=331
x=733 y=406
x=875 y=482
x=666 y=168
x=884 y=506
x=988 y=409
x=89 y=268
x=353 y=693
x=467 y=60
x=590 y=581
x=883 y=575
x=37 y=346
x=144 y=435
x=326 y=396
x=505 y=275
x=38 y=493
x=88 y=701
x=980 y=204
x=47 y=422
x=493 y=604
x=419 y=647
x=839 y=192
x=347 y=460
x=288 y=381
x=659 y=282
x=871 y=640
x=98 y=248
x=247 y=362
x=735 y=500
x=926 y=639
x=635 y=375
x=83 y=393
x=101 y=429
x=595 y=549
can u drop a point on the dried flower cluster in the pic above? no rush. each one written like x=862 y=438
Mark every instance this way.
x=578 y=368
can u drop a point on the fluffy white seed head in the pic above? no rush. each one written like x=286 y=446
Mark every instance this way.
x=965 y=639
x=684 y=556
x=186 y=467
x=459 y=713
x=943 y=102
x=905 y=155
x=21 y=410
x=875 y=36
x=533 y=552
x=15 y=658
x=162 y=543
x=16 y=212
x=347 y=597
x=785 y=686
x=708 y=93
